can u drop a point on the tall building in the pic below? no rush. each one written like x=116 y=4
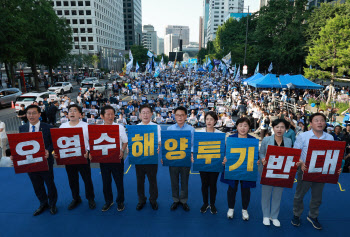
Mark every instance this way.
x=200 y=32
x=263 y=3
x=171 y=41
x=218 y=11
x=160 y=45
x=182 y=31
x=317 y=3
x=132 y=23
x=149 y=38
x=205 y=22
x=97 y=28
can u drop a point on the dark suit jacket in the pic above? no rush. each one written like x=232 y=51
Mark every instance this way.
x=45 y=129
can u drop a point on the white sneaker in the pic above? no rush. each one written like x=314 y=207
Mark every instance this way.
x=245 y=215
x=266 y=221
x=275 y=222
x=230 y=213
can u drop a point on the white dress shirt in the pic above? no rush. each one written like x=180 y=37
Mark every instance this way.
x=37 y=126
x=83 y=125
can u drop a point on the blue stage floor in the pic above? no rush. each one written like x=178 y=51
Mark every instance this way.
x=18 y=202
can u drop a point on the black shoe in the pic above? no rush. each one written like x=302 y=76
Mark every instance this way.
x=154 y=205
x=296 y=221
x=213 y=209
x=140 y=206
x=174 y=206
x=41 y=209
x=204 y=208
x=121 y=206
x=53 y=210
x=107 y=206
x=185 y=207
x=315 y=223
x=74 y=204
x=92 y=204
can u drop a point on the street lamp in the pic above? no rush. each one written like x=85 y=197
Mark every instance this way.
x=246 y=33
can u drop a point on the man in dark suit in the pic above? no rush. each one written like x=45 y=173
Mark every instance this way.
x=39 y=178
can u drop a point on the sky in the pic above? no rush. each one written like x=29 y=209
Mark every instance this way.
x=161 y=13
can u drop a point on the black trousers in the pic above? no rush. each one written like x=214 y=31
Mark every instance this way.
x=38 y=179
x=231 y=196
x=73 y=178
x=151 y=172
x=209 y=180
x=117 y=171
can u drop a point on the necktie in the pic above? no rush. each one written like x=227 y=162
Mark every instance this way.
x=33 y=128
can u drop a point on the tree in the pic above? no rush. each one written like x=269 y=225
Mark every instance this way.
x=139 y=53
x=280 y=35
x=58 y=41
x=331 y=51
x=201 y=55
x=159 y=58
x=12 y=36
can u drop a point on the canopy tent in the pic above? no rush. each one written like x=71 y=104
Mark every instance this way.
x=299 y=81
x=201 y=70
x=267 y=81
x=252 y=78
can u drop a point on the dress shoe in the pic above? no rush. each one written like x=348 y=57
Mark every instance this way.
x=174 y=206
x=140 y=205
x=92 y=204
x=107 y=206
x=53 y=210
x=41 y=209
x=74 y=204
x=185 y=207
x=121 y=206
x=154 y=205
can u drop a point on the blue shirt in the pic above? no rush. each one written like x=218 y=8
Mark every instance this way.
x=290 y=134
x=176 y=127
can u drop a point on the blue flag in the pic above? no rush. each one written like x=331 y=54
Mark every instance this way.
x=242 y=155
x=270 y=68
x=143 y=144
x=256 y=69
x=176 y=148
x=208 y=151
x=238 y=75
x=149 y=54
x=137 y=66
x=156 y=72
x=210 y=67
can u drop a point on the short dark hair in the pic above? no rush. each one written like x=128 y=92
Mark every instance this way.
x=338 y=126
x=144 y=106
x=212 y=114
x=317 y=114
x=278 y=121
x=103 y=110
x=243 y=120
x=181 y=108
x=76 y=106
x=33 y=107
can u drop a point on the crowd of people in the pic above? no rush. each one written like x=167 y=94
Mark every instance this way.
x=186 y=101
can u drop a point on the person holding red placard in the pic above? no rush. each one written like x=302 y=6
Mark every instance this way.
x=270 y=212
x=75 y=115
x=113 y=169
x=49 y=199
x=318 y=124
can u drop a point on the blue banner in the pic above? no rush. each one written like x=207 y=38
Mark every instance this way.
x=176 y=148
x=242 y=155
x=143 y=144
x=217 y=61
x=209 y=151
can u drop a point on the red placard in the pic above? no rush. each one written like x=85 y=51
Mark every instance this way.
x=323 y=160
x=28 y=151
x=68 y=144
x=104 y=143
x=281 y=166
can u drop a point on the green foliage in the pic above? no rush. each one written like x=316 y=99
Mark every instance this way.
x=331 y=50
x=159 y=58
x=341 y=106
x=139 y=53
x=280 y=35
